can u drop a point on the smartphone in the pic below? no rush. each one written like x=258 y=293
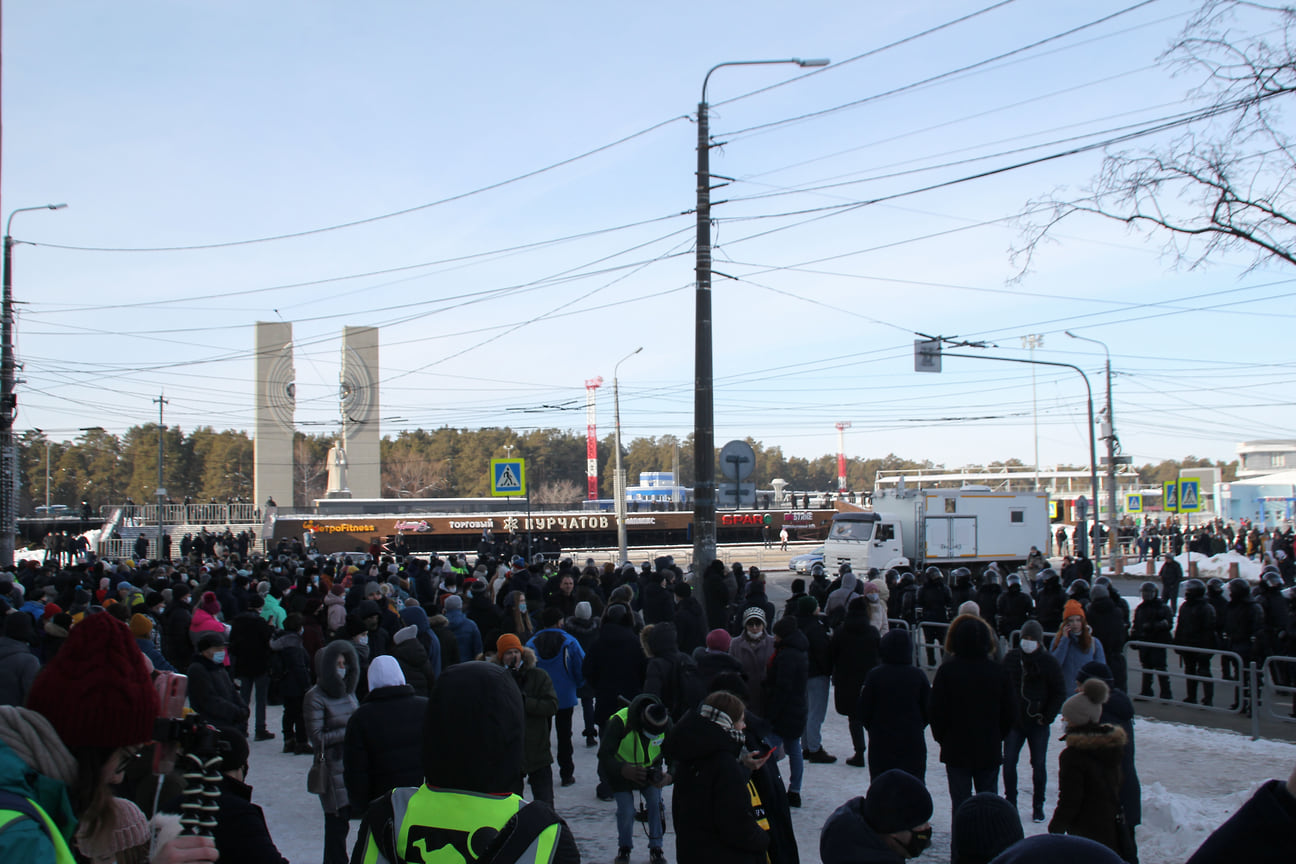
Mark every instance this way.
x=172 y=687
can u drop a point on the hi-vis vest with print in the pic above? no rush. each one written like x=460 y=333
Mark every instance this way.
x=10 y=818
x=437 y=826
x=630 y=749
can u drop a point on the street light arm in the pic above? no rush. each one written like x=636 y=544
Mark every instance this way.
x=13 y=213
x=804 y=64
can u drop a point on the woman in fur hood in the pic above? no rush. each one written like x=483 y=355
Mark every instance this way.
x=1089 y=772
x=541 y=703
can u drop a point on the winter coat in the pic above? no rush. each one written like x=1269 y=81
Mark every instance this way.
x=713 y=663
x=1038 y=688
x=447 y=642
x=213 y=695
x=819 y=650
x=383 y=746
x=1171 y=574
x=204 y=622
x=295 y=665
x=1277 y=622
x=1263 y=827
x=148 y=649
x=784 y=694
x=18 y=668
x=249 y=643
x=483 y=612
x=617 y=730
x=176 y=644
x=754 y=657
x=716 y=598
x=1048 y=606
x=335 y=612
x=935 y=599
x=1089 y=783
x=614 y=666
x=416 y=665
x=241 y=833
x=892 y=706
x=326 y=709
x=971 y=698
x=1152 y=623
x=1069 y=651
x=1244 y=624
x=467 y=634
x=1012 y=610
x=560 y=655
x=854 y=651
x=541 y=704
x=690 y=624
x=1108 y=624
x=847 y=838
x=1196 y=625
x=838 y=600
x=711 y=804
x=658 y=603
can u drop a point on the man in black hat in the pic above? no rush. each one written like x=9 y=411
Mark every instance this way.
x=211 y=690
x=890 y=823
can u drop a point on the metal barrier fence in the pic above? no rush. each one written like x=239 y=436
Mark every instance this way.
x=1277 y=685
x=929 y=647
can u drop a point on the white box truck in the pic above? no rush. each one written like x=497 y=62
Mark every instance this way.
x=947 y=528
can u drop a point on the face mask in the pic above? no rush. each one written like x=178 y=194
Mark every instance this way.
x=918 y=841
x=522 y=607
x=341 y=671
x=218 y=657
x=754 y=635
x=363 y=639
x=1029 y=646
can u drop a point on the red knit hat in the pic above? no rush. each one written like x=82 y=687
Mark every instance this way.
x=96 y=692
x=1072 y=607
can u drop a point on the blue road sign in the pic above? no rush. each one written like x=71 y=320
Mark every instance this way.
x=1190 y=495
x=508 y=477
x=1134 y=503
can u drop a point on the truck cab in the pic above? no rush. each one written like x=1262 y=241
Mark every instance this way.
x=863 y=540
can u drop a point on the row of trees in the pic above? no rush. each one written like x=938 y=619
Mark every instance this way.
x=204 y=465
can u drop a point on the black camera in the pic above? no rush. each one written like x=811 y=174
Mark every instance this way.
x=655 y=775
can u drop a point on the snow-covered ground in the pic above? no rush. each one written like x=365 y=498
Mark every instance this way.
x=1193 y=779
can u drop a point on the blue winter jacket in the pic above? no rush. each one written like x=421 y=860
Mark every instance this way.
x=466 y=634
x=560 y=654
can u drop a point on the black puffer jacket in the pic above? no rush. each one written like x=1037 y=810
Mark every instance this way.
x=1038 y=689
x=712 y=809
x=1048 y=606
x=854 y=654
x=249 y=645
x=1196 y=625
x=893 y=708
x=1012 y=609
x=614 y=667
x=213 y=695
x=384 y=745
x=785 y=687
x=1108 y=625
x=971 y=699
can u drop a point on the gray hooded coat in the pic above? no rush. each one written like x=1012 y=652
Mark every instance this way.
x=326 y=709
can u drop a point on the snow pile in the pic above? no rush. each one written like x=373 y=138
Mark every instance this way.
x=1174 y=825
x=1217 y=566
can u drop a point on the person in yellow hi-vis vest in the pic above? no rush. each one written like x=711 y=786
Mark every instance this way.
x=464 y=811
x=630 y=761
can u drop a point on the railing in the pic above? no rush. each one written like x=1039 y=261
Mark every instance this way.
x=187 y=514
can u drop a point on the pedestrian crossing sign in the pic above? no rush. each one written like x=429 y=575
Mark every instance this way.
x=1170 y=496
x=508 y=477
x=1190 y=495
x=1134 y=503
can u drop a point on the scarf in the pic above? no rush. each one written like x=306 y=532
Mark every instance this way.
x=723 y=720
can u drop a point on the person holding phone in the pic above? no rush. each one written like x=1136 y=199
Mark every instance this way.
x=717 y=814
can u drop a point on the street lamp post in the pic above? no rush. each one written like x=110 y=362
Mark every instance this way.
x=8 y=401
x=704 y=480
x=1110 y=438
x=618 y=484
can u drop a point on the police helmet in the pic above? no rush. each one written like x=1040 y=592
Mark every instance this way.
x=843 y=568
x=1239 y=589
x=906 y=579
x=1271 y=578
x=1014 y=579
x=1048 y=574
x=817 y=569
x=1078 y=588
x=1105 y=581
x=961 y=575
x=933 y=574
x=991 y=575
x=1215 y=587
x=1194 y=589
x=1149 y=590
x=872 y=573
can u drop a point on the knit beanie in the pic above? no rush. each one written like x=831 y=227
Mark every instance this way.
x=984 y=826
x=969 y=607
x=683 y=589
x=584 y=610
x=897 y=801
x=807 y=605
x=1032 y=630
x=754 y=612
x=507 y=642
x=786 y=626
x=1071 y=608
x=209 y=603
x=453 y=603
x=718 y=640
x=141 y=626
x=125 y=829
x=1085 y=708
x=96 y=691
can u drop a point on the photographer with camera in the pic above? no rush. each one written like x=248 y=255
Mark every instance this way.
x=90 y=711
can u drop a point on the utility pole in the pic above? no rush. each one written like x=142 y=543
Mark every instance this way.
x=161 y=490
x=842 y=426
x=1108 y=428
x=1033 y=341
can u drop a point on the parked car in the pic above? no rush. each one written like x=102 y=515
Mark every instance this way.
x=803 y=562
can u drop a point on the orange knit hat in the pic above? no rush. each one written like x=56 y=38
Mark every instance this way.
x=1072 y=607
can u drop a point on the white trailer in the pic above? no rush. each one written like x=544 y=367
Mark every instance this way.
x=942 y=527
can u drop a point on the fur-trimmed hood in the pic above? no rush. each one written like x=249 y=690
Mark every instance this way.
x=528 y=658
x=1098 y=736
x=659 y=640
x=326 y=659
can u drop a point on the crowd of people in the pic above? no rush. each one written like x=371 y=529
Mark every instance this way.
x=395 y=676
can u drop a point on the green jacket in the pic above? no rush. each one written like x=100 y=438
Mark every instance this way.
x=612 y=744
x=24 y=839
x=541 y=703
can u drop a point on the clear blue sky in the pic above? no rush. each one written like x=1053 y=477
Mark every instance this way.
x=166 y=124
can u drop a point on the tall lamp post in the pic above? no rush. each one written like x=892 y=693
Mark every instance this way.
x=8 y=401
x=618 y=484
x=704 y=479
x=1110 y=438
